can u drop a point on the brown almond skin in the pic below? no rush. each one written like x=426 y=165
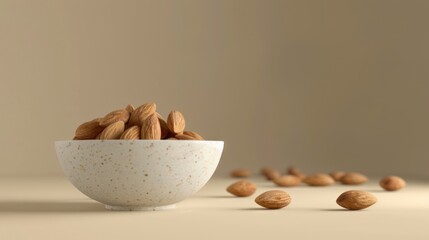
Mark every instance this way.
x=243 y=188
x=176 y=122
x=151 y=128
x=131 y=133
x=287 y=181
x=319 y=179
x=273 y=199
x=184 y=137
x=88 y=130
x=392 y=183
x=165 y=132
x=141 y=113
x=270 y=173
x=130 y=108
x=195 y=135
x=296 y=172
x=114 y=116
x=353 y=178
x=241 y=173
x=113 y=131
x=337 y=175
x=356 y=200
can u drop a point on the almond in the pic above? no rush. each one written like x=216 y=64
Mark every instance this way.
x=131 y=133
x=115 y=116
x=141 y=113
x=164 y=129
x=319 y=179
x=242 y=188
x=176 y=122
x=195 y=135
x=273 y=199
x=287 y=181
x=151 y=128
x=296 y=172
x=113 y=131
x=241 y=173
x=130 y=108
x=184 y=137
x=89 y=130
x=337 y=175
x=392 y=183
x=270 y=173
x=356 y=200
x=353 y=178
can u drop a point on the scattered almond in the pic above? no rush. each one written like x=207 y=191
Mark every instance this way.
x=392 y=183
x=113 y=131
x=194 y=135
x=89 y=130
x=356 y=200
x=296 y=172
x=319 y=179
x=141 y=113
x=176 y=122
x=287 y=181
x=131 y=133
x=115 y=116
x=241 y=173
x=242 y=188
x=270 y=173
x=151 y=128
x=353 y=178
x=336 y=175
x=273 y=199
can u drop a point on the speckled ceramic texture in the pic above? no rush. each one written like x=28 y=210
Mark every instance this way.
x=138 y=174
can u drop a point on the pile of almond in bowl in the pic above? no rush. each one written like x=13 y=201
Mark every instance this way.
x=132 y=123
x=276 y=199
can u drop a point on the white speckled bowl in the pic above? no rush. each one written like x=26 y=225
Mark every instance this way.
x=139 y=174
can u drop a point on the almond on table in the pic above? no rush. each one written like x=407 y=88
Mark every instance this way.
x=270 y=173
x=337 y=175
x=392 y=183
x=319 y=179
x=273 y=199
x=241 y=173
x=243 y=188
x=296 y=172
x=287 y=181
x=356 y=200
x=353 y=178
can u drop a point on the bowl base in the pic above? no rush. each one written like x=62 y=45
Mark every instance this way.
x=131 y=208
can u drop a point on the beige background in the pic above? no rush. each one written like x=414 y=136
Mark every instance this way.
x=318 y=84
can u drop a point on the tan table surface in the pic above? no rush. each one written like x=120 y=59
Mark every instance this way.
x=50 y=208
